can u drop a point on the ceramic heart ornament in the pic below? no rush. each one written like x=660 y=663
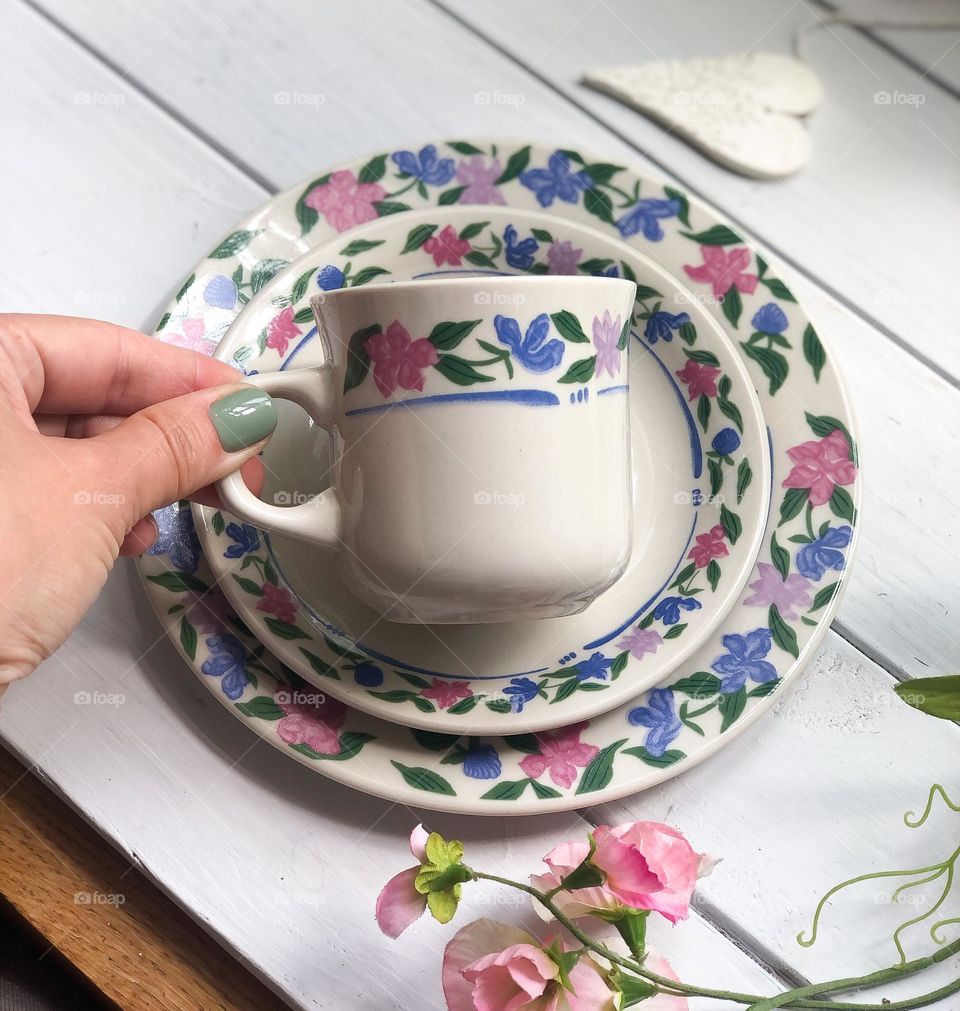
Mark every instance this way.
x=744 y=111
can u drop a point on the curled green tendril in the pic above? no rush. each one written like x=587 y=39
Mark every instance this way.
x=936 y=931
x=910 y=819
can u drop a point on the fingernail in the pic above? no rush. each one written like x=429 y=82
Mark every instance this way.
x=243 y=418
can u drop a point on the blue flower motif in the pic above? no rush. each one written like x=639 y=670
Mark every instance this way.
x=555 y=181
x=533 y=351
x=595 y=666
x=662 y=324
x=227 y=662
x=247 y=539
x=220 y=292
x=668 y=610
x=482 y=762
x=177 y=538
x=744 y=659
x=661 y=717
x=770 y=318
x=330 y=278
x=824 y=553
x=645 y=216
x=612 y=271
x=520 y=691
x=519 y=254
x=425 y=166
x=726 y=441
x=367 y=674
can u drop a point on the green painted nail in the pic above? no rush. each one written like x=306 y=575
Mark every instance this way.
x=243 y=418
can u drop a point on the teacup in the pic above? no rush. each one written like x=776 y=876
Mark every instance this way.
x=481 y=453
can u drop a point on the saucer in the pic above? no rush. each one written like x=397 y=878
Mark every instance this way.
x=780 y=617
x=701 y=492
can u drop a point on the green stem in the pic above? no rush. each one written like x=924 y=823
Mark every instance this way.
x=413 y=182
x=810 y=522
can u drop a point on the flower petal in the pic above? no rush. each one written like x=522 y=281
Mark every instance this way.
x=399 y=903
x=468 y=945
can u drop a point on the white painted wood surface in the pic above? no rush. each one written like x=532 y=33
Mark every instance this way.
x=124 y=194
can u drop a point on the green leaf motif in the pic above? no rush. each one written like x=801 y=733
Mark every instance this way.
x=780 y=557
x=939 y=696
x=462 y=147
x=358 y=361
x=599 y=772
x=698 y=686
x=731 y=708
x=188 y=638
x=424 y=779
x=683 y=215
x=602 y=172
x=713 y=574
x=688 y=333
x=541 y=235
x=703 y=357
x=569 y=327
x=446 y=336
x=793 y=502
x=179 y=582
x=217 y=523
x=460 y=371
x=366 y=275
x=675 y=631
x=761 y=691
x=581 y=371
x=841 y=504
x=663 y=761
x=450 y=196
x=247 y=585
x=321 y=667
x=778 y=289
x=471 y=231
x=506 y=790
x=597 y=203
x=703 y=411
x=732 y=525
x=823 y=425
x=262 y=707
x=526 y=743
x=302 y=316
x=284 y=630
x=718 y=235
x=824 y=596
x=464 y=705
x=233 y=244
x=264 y=271
x=732 y=306
x=416 y=237
x=775 y=367
x=306 y=216
x=783 y=635
x=164 y=320
x=544 y=792
x=359 y=246
x=479 y=259
x=744 y=477
x=619 y=663
x=813 y=351
x=185 y=287
x=516 y=163
x=300 y=286
x=374 y=170
x=716 y=475
x=387 y=207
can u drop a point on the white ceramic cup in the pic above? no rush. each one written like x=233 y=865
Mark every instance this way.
x=480 y=434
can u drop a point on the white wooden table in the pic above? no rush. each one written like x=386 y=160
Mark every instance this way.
x=134 y=135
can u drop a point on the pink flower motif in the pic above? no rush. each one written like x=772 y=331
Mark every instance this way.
x=480 y=973
x=398 y=360
x=277 y=600
x=641 y=641
x=192 y=337
x=480 y=181
x=606 y=334
x=700 y=380
x=399 y=903
x=312 y=720
x=207 y=612
x=771 y=588
x=562 y=753
x=709 y=546
x=281 y=330
x=724 y=270
x=447 y=247
x=821 y=465
x=447 y=692
x=562 y=258
x=344 y=201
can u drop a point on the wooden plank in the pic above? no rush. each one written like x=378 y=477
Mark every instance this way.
x=92 y=906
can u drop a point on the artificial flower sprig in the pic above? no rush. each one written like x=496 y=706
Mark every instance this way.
x=594 y=889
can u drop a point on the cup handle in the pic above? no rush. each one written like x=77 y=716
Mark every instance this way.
x=320 y=519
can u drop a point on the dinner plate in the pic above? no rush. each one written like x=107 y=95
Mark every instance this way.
x=780 y=616
x=701 y=491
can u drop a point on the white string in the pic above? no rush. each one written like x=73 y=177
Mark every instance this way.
x=890 y=21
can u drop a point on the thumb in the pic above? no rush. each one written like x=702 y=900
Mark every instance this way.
x=168 y=450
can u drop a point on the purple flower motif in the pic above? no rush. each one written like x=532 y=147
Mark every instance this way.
x=824 y=553
x=246 y=537
x=330 y=278
x=425 y=166
x=661 y=717
x=668 y=610
x=519 y=254
x=562 y=258
x=176 y=538
x=641 y=641
x=726 y=441
x=220 y=292
x=533 y=351
x=645 y=216
x=661 y=325
x=479 y=181
x=520 y=691
x=556 y=181
x=745 y=659
x=227 y=662
x=595 y=666
x=367 y=674
x=770 y=318
x=606 y=336
x=482 y=762
x=787 y=594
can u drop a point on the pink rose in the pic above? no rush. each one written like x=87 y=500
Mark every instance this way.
x=724 y=270
x=700 y=380
x=398 y=360
x=399 y=903
x=344 y=201
x=709 y=546
x=561 y=753
x=277 y=600
x=821 y=465
x=447 y=692
x=447 y=247
x=314 y=724
x=281 y=330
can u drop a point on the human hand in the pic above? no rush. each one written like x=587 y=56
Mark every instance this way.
x=100 y=426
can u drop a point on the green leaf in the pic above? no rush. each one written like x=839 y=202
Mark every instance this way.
x=645 y=292
x=186 y=286
x=358 y=361
x=179 y=582
x=516 y=163
x=424 y=779
x=359 y=246
x=731 y=410
x=744 y=477
x=731 y=707
x=374 y=170
x=479 y=259
x=217 y=523
x=450 y=196
x=366 y=275
x=413 y=679
x=417 y=236
x=775 y=366
x=569 y=327
x=713 y=574
x=683 y=215
x=464 y=705
x=599 y=772
x=688 y=333
x=566 y=689
x=824 y=596
x=778 y=289
x=779 y=556
x=783 y=635
x=703 y=411
x=396 y=696
x=663 y=761
x=581 y=371
x=703 y=357
x=262 y=707
x=501 y=706
x=446 y=336
x=544 y=792
x=597 y=265
x=471 y=231
x=813 y=351
x=793 y=502
x=701 y=685
x=233 y=244
x=462 y=147
x=765 y=689
x=684 y=574
x=387 y=207
x=164 y=320
x=188 y=638
x=732 y=305
x=506 y=790
x=602 y=172
x=322 y=668
x=939 y=696
x=675 y=631
x=624 y=337
x=619 y=663
x=302 y=316
x=265 y=270
x=284 y=630
x=823 y=425
x=247 y=585
x=841 y=504
x=716 y=475
x=597 y=203
x=732 y=525
x=718 y=235
x=460 y=371
x=541 y=235
x=300 y=286
x=351 y=741
x=424 y=705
